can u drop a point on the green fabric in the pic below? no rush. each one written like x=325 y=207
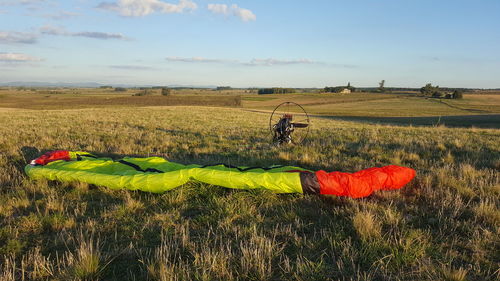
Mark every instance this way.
x=116 y=175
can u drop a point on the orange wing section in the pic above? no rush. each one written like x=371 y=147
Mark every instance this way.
x=364 y=182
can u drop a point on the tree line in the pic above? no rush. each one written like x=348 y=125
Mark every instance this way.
x=436 y=92
x=268 y=91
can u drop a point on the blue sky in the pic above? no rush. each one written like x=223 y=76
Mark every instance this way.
x=314 y=43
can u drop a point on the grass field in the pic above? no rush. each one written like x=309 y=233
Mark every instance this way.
x=445 y=225
x=474 y=110
x=83 y=98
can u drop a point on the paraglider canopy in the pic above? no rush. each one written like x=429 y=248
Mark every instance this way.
x=155 y=174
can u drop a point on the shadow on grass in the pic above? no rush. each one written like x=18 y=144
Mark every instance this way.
x=464 y=121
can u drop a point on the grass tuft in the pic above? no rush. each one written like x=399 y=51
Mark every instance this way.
x=488 y=211
x=366 y=224
x=450 y=274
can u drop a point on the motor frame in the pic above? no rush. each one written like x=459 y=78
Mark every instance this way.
x=283 y=124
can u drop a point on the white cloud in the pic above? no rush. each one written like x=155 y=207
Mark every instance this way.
x=14 y=37
x=27 y=2
x=132 y=67
x=62 y=15
x=22 y=2
x=59 y=31
x=199 y=59
x=99 y=35
x=253 y=62
x=272 y=61
x=138 y=8
x=243 y=14
x=30 y=5
x=17 y=57
x=218 y=9
x=52 y=30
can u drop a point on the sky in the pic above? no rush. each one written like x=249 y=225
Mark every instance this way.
x=257 y=43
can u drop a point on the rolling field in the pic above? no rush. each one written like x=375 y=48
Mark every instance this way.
x=444 y=225
x=65 y=99
x=473 y=111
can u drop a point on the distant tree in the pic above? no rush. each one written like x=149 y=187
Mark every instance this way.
x=336 y=89
x=437 y=94
x=431 y=91
x=351 y=88
x=145 y=92
x=457 y=95
x=266 y=91
x=222 y=88
x=426 y=90
x=106 y=87
x=166 y=91
x=381 y=86
x=120 y=89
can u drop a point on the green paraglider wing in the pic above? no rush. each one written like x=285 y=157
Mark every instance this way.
x=155 y=174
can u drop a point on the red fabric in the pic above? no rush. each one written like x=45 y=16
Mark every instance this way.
x=365 y=182
x=53 y=156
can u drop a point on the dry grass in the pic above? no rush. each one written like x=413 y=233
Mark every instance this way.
x=366 y=225
x=380 y=105
x=454 y=274
x=66 y=99
x=443 y=225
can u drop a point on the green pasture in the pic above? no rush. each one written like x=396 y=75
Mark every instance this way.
x=444 y=225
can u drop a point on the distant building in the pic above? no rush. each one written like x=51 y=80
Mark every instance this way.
x=345 y=91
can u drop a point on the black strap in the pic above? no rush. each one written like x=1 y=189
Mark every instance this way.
x=135 y=166
x=242 y=169
x=138 y=168
x=79 y=156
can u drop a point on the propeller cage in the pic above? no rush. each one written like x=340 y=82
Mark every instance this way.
x=289 y=126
